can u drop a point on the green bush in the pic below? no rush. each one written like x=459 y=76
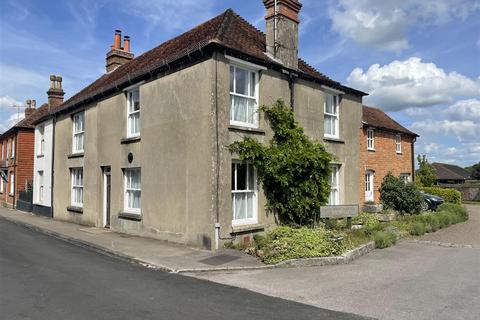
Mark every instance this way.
x=417 y=229
x=384 y=239
x=396 y=195
x=456 y=209
x=284 y=243
x=445 y=219
x=432 y=221
x=449 y=195
x=368 y=220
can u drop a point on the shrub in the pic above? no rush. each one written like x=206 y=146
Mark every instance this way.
x=284 y=243
x=384 y=239
x=432 y=221
x=293 y=169
x=449 y=195
x=368 y=220
x=458 y=210
x=445 y=219
x=397 y=195
x=417 y=229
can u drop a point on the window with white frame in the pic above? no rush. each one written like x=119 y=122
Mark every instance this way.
x=8 y=149
x=405 y=177
x=13 y=148
x=41 y=140
x=133 y=190
x=1 y=184
x=331 y=116
x=243 y=96
x=398 y=143
x=370 y=139
x=334 y=198
x=78 y=132
x=244 y=193
x=3 y=147
x=133 y=113
x=12 y=183
x=40 y=186
x=77 y=187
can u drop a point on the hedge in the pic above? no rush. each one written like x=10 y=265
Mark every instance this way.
x=449 y=195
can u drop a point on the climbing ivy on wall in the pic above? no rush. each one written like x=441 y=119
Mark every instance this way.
x=293 y=169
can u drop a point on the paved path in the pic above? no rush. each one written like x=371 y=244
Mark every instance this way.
x=44 y=278
x=160 y=254
x=407 y=281
x=466 y=233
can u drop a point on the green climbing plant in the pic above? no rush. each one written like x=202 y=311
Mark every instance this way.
x=293 y=169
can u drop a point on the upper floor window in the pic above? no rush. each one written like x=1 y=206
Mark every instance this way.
x=133 y=190
x=3 y=147
x=78 y=132
x=77 y=187
x=331 y=116
x=243 y=97
x=244 y=194
x=133 y=113
x=8 y=149
x=13 y=148
x=370 y=139
x=334 y=198
x=398 y=143
x=41 y=140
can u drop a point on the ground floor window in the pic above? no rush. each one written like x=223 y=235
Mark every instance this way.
x=133 y=190
x=12 y=183
x=369 y=196
x=77 y=187
x=244 y=194
x=1 y=184
x=334 y=198
x=40 y=186
x=405 y=177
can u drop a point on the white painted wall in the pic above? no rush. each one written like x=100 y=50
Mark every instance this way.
x=43 y=163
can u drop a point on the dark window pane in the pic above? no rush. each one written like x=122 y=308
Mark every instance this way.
x=241 y=177
x=233 y=176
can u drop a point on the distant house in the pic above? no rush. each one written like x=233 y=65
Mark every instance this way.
x=385 y=146
x=450 y=174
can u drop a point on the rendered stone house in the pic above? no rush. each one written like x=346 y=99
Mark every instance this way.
x=16 y=161
x=385 y=146
x=147 y=153
x=43 y=150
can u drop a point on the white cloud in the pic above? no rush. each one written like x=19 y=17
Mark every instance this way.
x=383 y=24
x=170 y=15
x=12 y=119
x=7 y=102
x=465 y=109
x=411 y=83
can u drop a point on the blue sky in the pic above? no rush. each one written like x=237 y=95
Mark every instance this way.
x=418 y=59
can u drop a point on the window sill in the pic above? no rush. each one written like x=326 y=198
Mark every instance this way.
x=40 y=155
x=399 y=153
x=75 y=155
x=130 y=140
x=247 y=227
x=11 y=195
x=335 y=140
x=371 y=150
x=130 y=216
x=75 y=209
x=234 y=127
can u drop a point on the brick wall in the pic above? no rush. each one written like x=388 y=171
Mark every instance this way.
x=384 y=159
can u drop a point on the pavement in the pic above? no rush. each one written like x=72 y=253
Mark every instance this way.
x=44 y=278
x=406 y=281
x=152 y=253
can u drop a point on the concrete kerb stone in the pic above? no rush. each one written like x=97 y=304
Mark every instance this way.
x=293 y=263
x=442 y=244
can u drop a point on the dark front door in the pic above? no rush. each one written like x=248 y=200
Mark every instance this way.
x=107 y=195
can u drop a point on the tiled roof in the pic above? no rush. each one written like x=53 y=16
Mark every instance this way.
x=228 y=30
x=376 y=118
x=446 y=171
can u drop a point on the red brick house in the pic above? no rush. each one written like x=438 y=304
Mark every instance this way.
x=385 y=146
x=16 y=157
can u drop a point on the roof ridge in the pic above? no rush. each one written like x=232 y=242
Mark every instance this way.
x=226 y=14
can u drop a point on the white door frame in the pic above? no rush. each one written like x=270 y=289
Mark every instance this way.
x=105 y=173
x=369 y=186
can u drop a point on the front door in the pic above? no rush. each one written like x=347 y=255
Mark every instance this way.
x=369 y=186
x=106 y=196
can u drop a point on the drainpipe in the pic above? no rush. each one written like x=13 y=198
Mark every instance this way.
x=275 y=27
x=217 y=165
x=413 y=158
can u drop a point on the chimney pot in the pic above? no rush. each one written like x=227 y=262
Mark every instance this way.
x=117 y=39
x=34 y=104
x=126 y=44
x=28 y=103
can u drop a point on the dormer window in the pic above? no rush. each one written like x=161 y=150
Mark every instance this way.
x=331 y=116
x=133 y=113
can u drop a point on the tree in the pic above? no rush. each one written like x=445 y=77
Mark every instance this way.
x=426 y=174
x=293 y=169
x=474 y=171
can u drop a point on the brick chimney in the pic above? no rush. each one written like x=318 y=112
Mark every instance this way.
x=55 y=93
x=282 y=31
x=30 y=107
x=119 y=55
